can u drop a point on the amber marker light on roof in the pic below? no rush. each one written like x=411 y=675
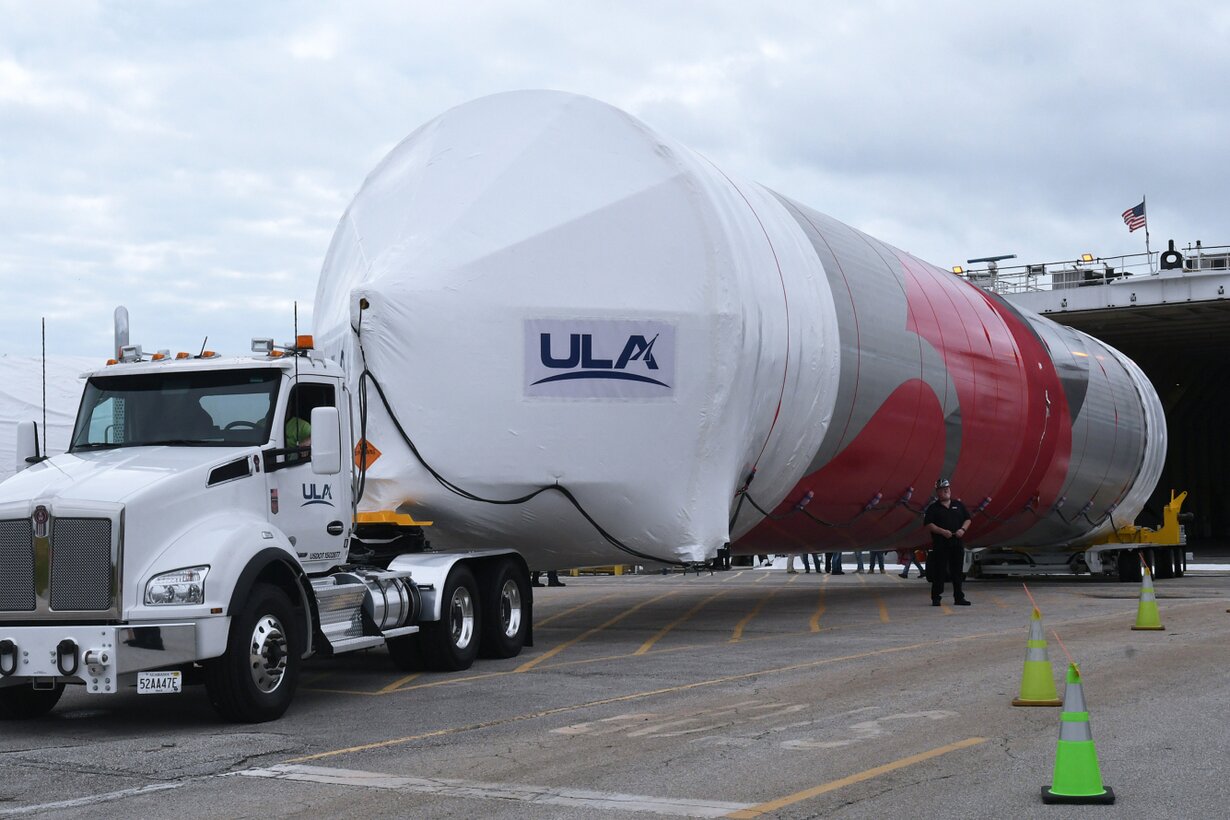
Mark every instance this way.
x=1086 y=257
x=958 y=270
x=183 y=354
x=303 y=342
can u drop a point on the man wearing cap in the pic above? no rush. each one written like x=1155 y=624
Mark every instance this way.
x=948 y=521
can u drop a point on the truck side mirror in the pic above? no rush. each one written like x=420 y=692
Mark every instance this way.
x=27 y=444
x=326 y=441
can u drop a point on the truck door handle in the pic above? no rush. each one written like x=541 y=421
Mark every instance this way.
x=335 y=528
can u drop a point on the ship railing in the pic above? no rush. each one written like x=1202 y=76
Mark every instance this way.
x=1091 y=271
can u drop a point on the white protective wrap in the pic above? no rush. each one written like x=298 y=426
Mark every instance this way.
x=541 y=214
x=21 y=399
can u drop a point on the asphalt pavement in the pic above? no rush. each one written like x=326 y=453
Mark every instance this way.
x=744 y=693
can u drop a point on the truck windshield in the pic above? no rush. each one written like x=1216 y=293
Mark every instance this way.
x=210 y=408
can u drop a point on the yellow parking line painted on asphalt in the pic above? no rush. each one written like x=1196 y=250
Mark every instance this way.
x=814 y=624
x=737 y=635
x=832 y=785
x=397 y=684
x=645 y=647
x=551 y=653
x=880 y=601
x=794 y=667
x=453 y=679
x=576 y=608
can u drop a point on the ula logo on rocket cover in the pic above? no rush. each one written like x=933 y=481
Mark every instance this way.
x=596 y=358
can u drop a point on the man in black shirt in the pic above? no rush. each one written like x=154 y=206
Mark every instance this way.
x=948 y=521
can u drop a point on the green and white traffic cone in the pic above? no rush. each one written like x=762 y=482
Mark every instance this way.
x=1077 y=778
x=1038 y=679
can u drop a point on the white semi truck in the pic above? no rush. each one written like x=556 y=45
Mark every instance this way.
x=199 y=530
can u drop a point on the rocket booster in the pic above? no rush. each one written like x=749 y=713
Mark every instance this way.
x=550 y=294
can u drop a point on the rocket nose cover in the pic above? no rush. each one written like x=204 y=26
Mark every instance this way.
x=556 y=294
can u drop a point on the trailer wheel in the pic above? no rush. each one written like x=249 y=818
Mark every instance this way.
x=1128 y=562
x=256 y=679
x=1162 y=564
x=506 y=607
x=1180 y=562
x=451 y=643
x=24 y=702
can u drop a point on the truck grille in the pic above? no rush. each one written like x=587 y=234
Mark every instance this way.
x=81 y=564
x=71 y=574
x=16 y=566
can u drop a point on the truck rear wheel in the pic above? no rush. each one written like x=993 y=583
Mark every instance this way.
x=406 y=652
x=451 y=643
x=24 y=702
x=506 y=608
x=256 y=679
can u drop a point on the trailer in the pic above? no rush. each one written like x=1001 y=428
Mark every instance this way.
x=1118 y=553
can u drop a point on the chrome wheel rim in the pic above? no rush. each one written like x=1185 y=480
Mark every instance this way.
x=510 y=608
x=268 y=654
x=461 y=617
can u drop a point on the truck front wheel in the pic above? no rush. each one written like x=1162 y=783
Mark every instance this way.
x=451 y=643
x=24 y=702
x=256 y=678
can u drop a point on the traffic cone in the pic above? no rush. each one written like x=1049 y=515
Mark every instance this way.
x=1076 y=778
x=1038 y=679
x=1147 y=616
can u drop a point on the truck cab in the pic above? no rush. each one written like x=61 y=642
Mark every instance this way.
x=198 y=529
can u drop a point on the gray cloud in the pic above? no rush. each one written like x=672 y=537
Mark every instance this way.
x=192 y=160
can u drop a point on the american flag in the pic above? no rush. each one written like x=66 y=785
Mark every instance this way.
x=1135 y=217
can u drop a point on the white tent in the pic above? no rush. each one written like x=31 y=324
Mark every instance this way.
x=21 y=399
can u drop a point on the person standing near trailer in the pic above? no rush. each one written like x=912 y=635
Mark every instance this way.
x=947 y=520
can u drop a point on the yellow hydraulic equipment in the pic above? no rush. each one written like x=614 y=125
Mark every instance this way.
x=390 y=517
x=1167 y=535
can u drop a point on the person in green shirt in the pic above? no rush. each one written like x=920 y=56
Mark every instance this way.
x=298 y=433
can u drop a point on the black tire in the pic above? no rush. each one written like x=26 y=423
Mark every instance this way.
x=1180 y=562
x=506 y=610
x=256 y=679
x=451 y=643
x=24 y=702
x=407 y=652
x=1129 y=565
x=1163 y=567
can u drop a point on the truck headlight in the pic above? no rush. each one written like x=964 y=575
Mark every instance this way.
x=181 y=586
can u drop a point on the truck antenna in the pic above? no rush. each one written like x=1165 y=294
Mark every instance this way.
x=295 y=392
x=202 y=353
x=44 y=384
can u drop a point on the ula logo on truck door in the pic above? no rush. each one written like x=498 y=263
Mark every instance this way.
x=312 y=495
x=597 y=358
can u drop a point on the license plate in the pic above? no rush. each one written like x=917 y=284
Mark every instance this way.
x=159 y=683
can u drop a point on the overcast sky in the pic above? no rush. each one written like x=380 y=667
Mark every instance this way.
x=191 y=160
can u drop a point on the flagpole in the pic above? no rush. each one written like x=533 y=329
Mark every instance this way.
x=1148 y=253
